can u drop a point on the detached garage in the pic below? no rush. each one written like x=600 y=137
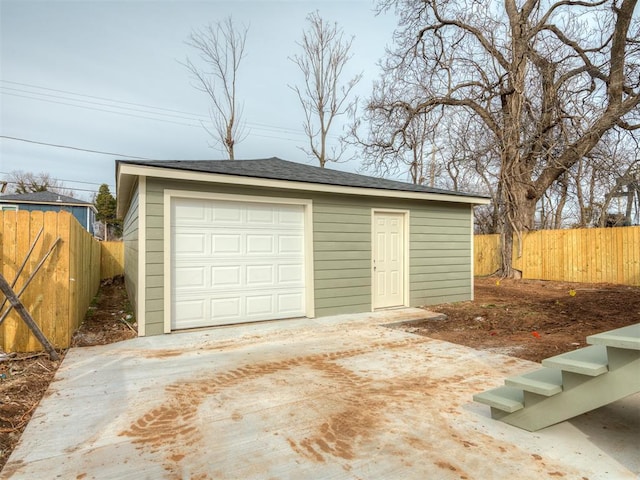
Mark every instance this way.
x=212 y=243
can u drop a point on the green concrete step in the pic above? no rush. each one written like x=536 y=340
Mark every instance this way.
x=570 y=384
x=506 y=399
x=625 y=337
x=591 y=361
x=546 y=381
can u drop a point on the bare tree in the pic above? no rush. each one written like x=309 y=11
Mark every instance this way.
x=27 y=182
x=545 y=79
x=434 y=148
x=625 y=186
x=600 y=176
x=220 y=48
x=324 y=95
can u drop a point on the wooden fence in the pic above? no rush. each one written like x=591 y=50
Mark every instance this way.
x=590 y=255
x=111 y=259
x=61 y=292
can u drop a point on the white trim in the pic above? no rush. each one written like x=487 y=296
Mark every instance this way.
x=166 y=258
x=141 y=314
x=407 y=254
x=310 y=291
x=308 y=240
x=176 y=174
x=473 y=257
x=125 y=186
x=407 y=258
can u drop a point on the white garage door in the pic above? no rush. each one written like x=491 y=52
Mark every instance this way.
x=235 y=262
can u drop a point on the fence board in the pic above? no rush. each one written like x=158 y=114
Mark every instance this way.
x=112 y=259
x=74 y=245
x=595 y=255
x=62 y=290
x=33 y=299
x=9 y=271
x=487 y=254
x=49 y=271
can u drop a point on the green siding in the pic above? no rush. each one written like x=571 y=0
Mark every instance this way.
x=440 y=248
x=342 y=256
x=354 y=256
x=155 y=258
x=440 y=255
x=130 y=227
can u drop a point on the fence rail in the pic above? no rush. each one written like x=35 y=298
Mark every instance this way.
x=593 y=255
x=61 y=292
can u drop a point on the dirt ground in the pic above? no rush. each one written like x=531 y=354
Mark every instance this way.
x=533 y=319
x=24 y=377
x=522 y=318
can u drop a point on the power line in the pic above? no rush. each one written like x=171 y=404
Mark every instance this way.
x=102 y=104
x=101 y=98
x=73 y=148
x=67 y=180
x=58 y=188
x=267 y=129
x=111 y=100
x=100 y=110
x=191 y=116
x=263 y=126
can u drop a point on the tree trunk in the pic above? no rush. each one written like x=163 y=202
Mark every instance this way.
x=518 y=216
x=557 y=218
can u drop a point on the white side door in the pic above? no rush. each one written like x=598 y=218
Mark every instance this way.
x=388 y=259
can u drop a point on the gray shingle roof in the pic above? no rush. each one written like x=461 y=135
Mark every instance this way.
x=278 y=169
x=42 y=197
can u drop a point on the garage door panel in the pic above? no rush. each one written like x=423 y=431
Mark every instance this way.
x=225 y=213
x=189 y=212
x=260 y=214
x=226 y=310
x=226 y=244
x=291 y=216
x=190 y=277
x=257 y=275
x=291 y=274
x=226 y=276
x=259 y=244
x=236 y=262
x=191 y=243
x=190 y=312
x=290 y=244
x=261 y=305
x=291 y=302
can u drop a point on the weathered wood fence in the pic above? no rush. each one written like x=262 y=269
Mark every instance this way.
x=61 y=292
x=590 y=255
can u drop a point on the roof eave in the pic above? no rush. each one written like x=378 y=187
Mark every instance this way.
x=60 y=204
x=126 y=174
x=124 y=190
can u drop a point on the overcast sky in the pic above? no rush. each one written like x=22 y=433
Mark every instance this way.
x=106 y=76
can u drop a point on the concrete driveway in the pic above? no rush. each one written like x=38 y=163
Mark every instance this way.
x=342 y=397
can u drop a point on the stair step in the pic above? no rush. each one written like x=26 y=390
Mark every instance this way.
x=590 y=361
x=625 y=337
x=546 y=381
x=506 y=399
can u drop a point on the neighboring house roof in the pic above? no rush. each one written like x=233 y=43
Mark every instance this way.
x=276 y=172
x=44 y=198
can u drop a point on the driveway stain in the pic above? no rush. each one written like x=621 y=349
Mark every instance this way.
x=170 y=426
x=340 y=413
